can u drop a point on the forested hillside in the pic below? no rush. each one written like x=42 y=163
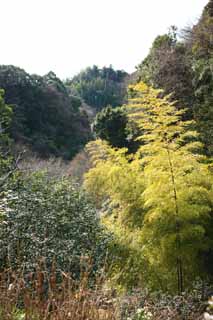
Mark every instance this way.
x=123 y=231
x=49 y=115
x=45 y=117
x=100 y=87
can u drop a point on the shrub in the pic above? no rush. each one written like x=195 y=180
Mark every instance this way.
x=50 y=220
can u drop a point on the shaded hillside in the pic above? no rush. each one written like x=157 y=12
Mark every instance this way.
x=45 y=117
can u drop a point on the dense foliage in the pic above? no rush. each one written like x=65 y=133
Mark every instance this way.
x=100 y=87
x=159 y=198
x=111 y=125
x=49 y=221
x=8 y=164
x=45 y=116
x=5 y=120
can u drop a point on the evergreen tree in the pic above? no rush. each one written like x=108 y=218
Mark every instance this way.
x=111 y=125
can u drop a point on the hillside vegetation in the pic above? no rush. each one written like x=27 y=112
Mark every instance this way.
x=45 y=117
x=100 y=87
x=132 y=240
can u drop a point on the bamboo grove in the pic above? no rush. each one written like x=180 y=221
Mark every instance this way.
x=157 y=202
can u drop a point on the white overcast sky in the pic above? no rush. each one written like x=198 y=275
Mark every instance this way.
x=66 y=36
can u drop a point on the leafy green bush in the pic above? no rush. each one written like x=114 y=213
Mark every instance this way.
x=50 y=221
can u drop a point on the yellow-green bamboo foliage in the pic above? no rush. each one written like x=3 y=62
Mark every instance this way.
x=177 y=186
x=116 y=184
x=160 y=197
x=116 y=177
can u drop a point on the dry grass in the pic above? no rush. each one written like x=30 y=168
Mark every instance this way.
x=40 y=297
x=79 y=165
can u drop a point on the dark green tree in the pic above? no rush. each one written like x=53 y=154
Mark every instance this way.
x=111 y=125
x=6 y=167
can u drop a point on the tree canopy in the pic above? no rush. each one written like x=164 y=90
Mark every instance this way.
x=99 y=87
x=45 y=117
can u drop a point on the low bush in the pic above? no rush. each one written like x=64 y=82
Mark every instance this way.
x=49 y=220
